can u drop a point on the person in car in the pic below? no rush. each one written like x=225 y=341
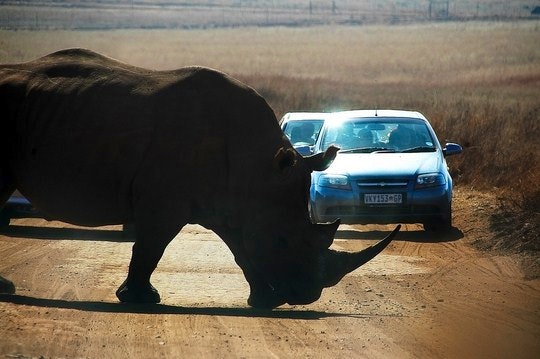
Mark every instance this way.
x=401 y=138
x=364 y=138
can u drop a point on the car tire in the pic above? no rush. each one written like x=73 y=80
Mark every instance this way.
x=441 y=224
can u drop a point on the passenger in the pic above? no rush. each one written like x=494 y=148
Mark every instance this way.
x=308 y=132
x=346 y=138
x=401 y=138
x=303 y=134
x=364 y=138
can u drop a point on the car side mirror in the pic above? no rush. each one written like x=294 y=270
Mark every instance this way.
x=451 y=149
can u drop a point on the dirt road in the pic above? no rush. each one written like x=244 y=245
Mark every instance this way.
x=427 y=296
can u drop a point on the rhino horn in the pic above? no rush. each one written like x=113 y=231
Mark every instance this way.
x=340 y=263
x=323 y=234
x=322 y=160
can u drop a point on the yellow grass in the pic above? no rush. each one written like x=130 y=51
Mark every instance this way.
x=433 y=53
x=479 y=82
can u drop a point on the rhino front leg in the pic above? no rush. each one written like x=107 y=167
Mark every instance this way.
x=150 y=243
x=137 y=287
x=6 y=286
x=261 y=293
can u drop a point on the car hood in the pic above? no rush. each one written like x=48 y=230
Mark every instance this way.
x=384 y=164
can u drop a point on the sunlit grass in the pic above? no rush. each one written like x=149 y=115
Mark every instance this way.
x=430 y=54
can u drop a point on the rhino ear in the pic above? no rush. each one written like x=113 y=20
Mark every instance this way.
x=323 y=160
x=284 y=158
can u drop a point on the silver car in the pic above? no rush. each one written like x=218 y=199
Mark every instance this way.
x=302 y=129
x=18 y=206
x=391 y=168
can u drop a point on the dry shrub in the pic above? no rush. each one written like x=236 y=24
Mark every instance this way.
x=498 y=126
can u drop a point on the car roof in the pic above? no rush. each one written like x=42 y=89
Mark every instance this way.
x=304 y=116
x=377 y=113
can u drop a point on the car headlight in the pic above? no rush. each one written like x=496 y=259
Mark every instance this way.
x=334 y=181
x=430 y=180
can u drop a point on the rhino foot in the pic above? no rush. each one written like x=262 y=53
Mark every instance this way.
x=6 y=286
x=137 y=293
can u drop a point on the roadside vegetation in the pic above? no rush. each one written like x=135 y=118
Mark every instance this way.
x=478 y=82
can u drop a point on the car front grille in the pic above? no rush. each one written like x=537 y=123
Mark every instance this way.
x=382 y=183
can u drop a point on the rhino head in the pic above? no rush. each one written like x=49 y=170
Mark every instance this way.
x=289 y=257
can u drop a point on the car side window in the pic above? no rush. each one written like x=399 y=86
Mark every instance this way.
x=303 y=131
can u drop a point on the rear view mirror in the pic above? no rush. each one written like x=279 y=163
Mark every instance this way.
x=452 y=149
x=376 y=127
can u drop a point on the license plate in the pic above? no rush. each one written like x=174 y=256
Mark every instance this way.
x=383 y=198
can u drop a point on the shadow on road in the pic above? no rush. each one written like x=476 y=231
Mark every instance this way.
x=83 y=234
x=90 y=234
x=411 y=236
x=92 y=306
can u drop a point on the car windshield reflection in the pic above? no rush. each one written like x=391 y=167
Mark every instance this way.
x=363 y=135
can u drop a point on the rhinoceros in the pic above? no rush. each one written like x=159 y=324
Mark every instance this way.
x=93 y=141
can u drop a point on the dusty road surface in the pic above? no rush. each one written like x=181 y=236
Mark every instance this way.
x=427 y=296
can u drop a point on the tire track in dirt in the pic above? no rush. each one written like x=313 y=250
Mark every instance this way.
x=424 y=296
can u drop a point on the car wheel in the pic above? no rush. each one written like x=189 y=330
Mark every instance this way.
x=441 y=224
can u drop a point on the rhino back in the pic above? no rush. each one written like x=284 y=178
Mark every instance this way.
x=79 y=126
x=86 y=132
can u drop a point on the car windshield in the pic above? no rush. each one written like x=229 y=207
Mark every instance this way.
x=303 y=131
x=367 y=135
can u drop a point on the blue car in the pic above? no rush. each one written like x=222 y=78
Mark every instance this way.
x=390 y=168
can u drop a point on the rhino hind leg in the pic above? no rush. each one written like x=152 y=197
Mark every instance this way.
x=6 y=189
x=144 y=259
x=7 y=186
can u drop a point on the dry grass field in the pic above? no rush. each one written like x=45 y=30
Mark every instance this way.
x=478 y=82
